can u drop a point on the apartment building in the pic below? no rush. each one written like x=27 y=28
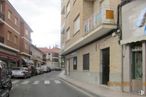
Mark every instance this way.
x=52 y=56
x=90 y=46
x=134 y=45
x=11 y=34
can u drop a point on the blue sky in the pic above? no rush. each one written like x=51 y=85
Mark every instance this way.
x=43 y=16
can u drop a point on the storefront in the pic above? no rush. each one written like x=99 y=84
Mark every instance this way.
x=134 y=46
x=10 y=57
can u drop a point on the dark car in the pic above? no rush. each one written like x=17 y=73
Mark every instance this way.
x=5 y=80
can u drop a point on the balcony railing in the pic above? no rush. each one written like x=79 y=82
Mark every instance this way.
x=104 y=16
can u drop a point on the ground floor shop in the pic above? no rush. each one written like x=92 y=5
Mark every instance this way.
x=134 y=67
x=9 y=56
x=97 y=63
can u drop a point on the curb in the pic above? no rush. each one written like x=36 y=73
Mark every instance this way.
x=93 y=94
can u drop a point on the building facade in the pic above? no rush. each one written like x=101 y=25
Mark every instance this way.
x=52 y=56
x=134 y=45
x=11 y=34
x=90 y=47
x=37 y=56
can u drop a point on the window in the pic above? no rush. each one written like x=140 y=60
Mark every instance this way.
x=1 y=7
x=26 y=46
x=26 y=32
x=68 y=34
x=16 y=21
x=9 y=34
x=86 y=62
x=68 y=8
x=74 y=63
x=15 y=39
x=9 y=14
x=77 y=24
x=74 y=2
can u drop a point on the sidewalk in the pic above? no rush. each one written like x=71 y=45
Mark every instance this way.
x=97 y=90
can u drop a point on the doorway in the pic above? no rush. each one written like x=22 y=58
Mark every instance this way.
x=136 y=68
x=105 y=61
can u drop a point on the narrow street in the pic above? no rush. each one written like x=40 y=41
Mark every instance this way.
x=45 y=85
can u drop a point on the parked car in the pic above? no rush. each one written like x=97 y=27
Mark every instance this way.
x=46 y=68
x=5 y=79
x=33 y=70
x=39 y=70
x=57 y=69
x=20 y=72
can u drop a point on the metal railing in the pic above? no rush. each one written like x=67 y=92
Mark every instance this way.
x=95 y=20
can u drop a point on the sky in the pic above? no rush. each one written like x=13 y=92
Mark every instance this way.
x=43 y=16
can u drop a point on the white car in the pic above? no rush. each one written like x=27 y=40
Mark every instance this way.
x=46 y=68
x=20 y=72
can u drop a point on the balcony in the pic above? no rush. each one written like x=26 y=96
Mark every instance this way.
x=104 y=17
x=95 y=27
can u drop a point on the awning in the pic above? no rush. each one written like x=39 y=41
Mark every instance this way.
x=8 y=56
x=130 y=40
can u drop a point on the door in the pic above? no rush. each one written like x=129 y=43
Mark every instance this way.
x=105 y=65
x=136 y=68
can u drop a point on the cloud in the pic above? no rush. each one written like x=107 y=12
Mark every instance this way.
x=43 y=17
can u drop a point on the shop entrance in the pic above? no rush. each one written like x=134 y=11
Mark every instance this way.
x=136 y=68
x=105 y=53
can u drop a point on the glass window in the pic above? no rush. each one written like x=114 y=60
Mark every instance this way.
x=74 y=63
x=9 y=34
x=16 y=21
x=26 y=32
x=1 y=7
x=9 y=14
x=68 y=8
x=68 y=34
x=77 y=24
x=15 y=39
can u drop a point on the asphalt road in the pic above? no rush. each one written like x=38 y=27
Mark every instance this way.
x=45 y=85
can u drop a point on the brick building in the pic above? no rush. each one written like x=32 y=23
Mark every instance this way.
x=14 y=35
